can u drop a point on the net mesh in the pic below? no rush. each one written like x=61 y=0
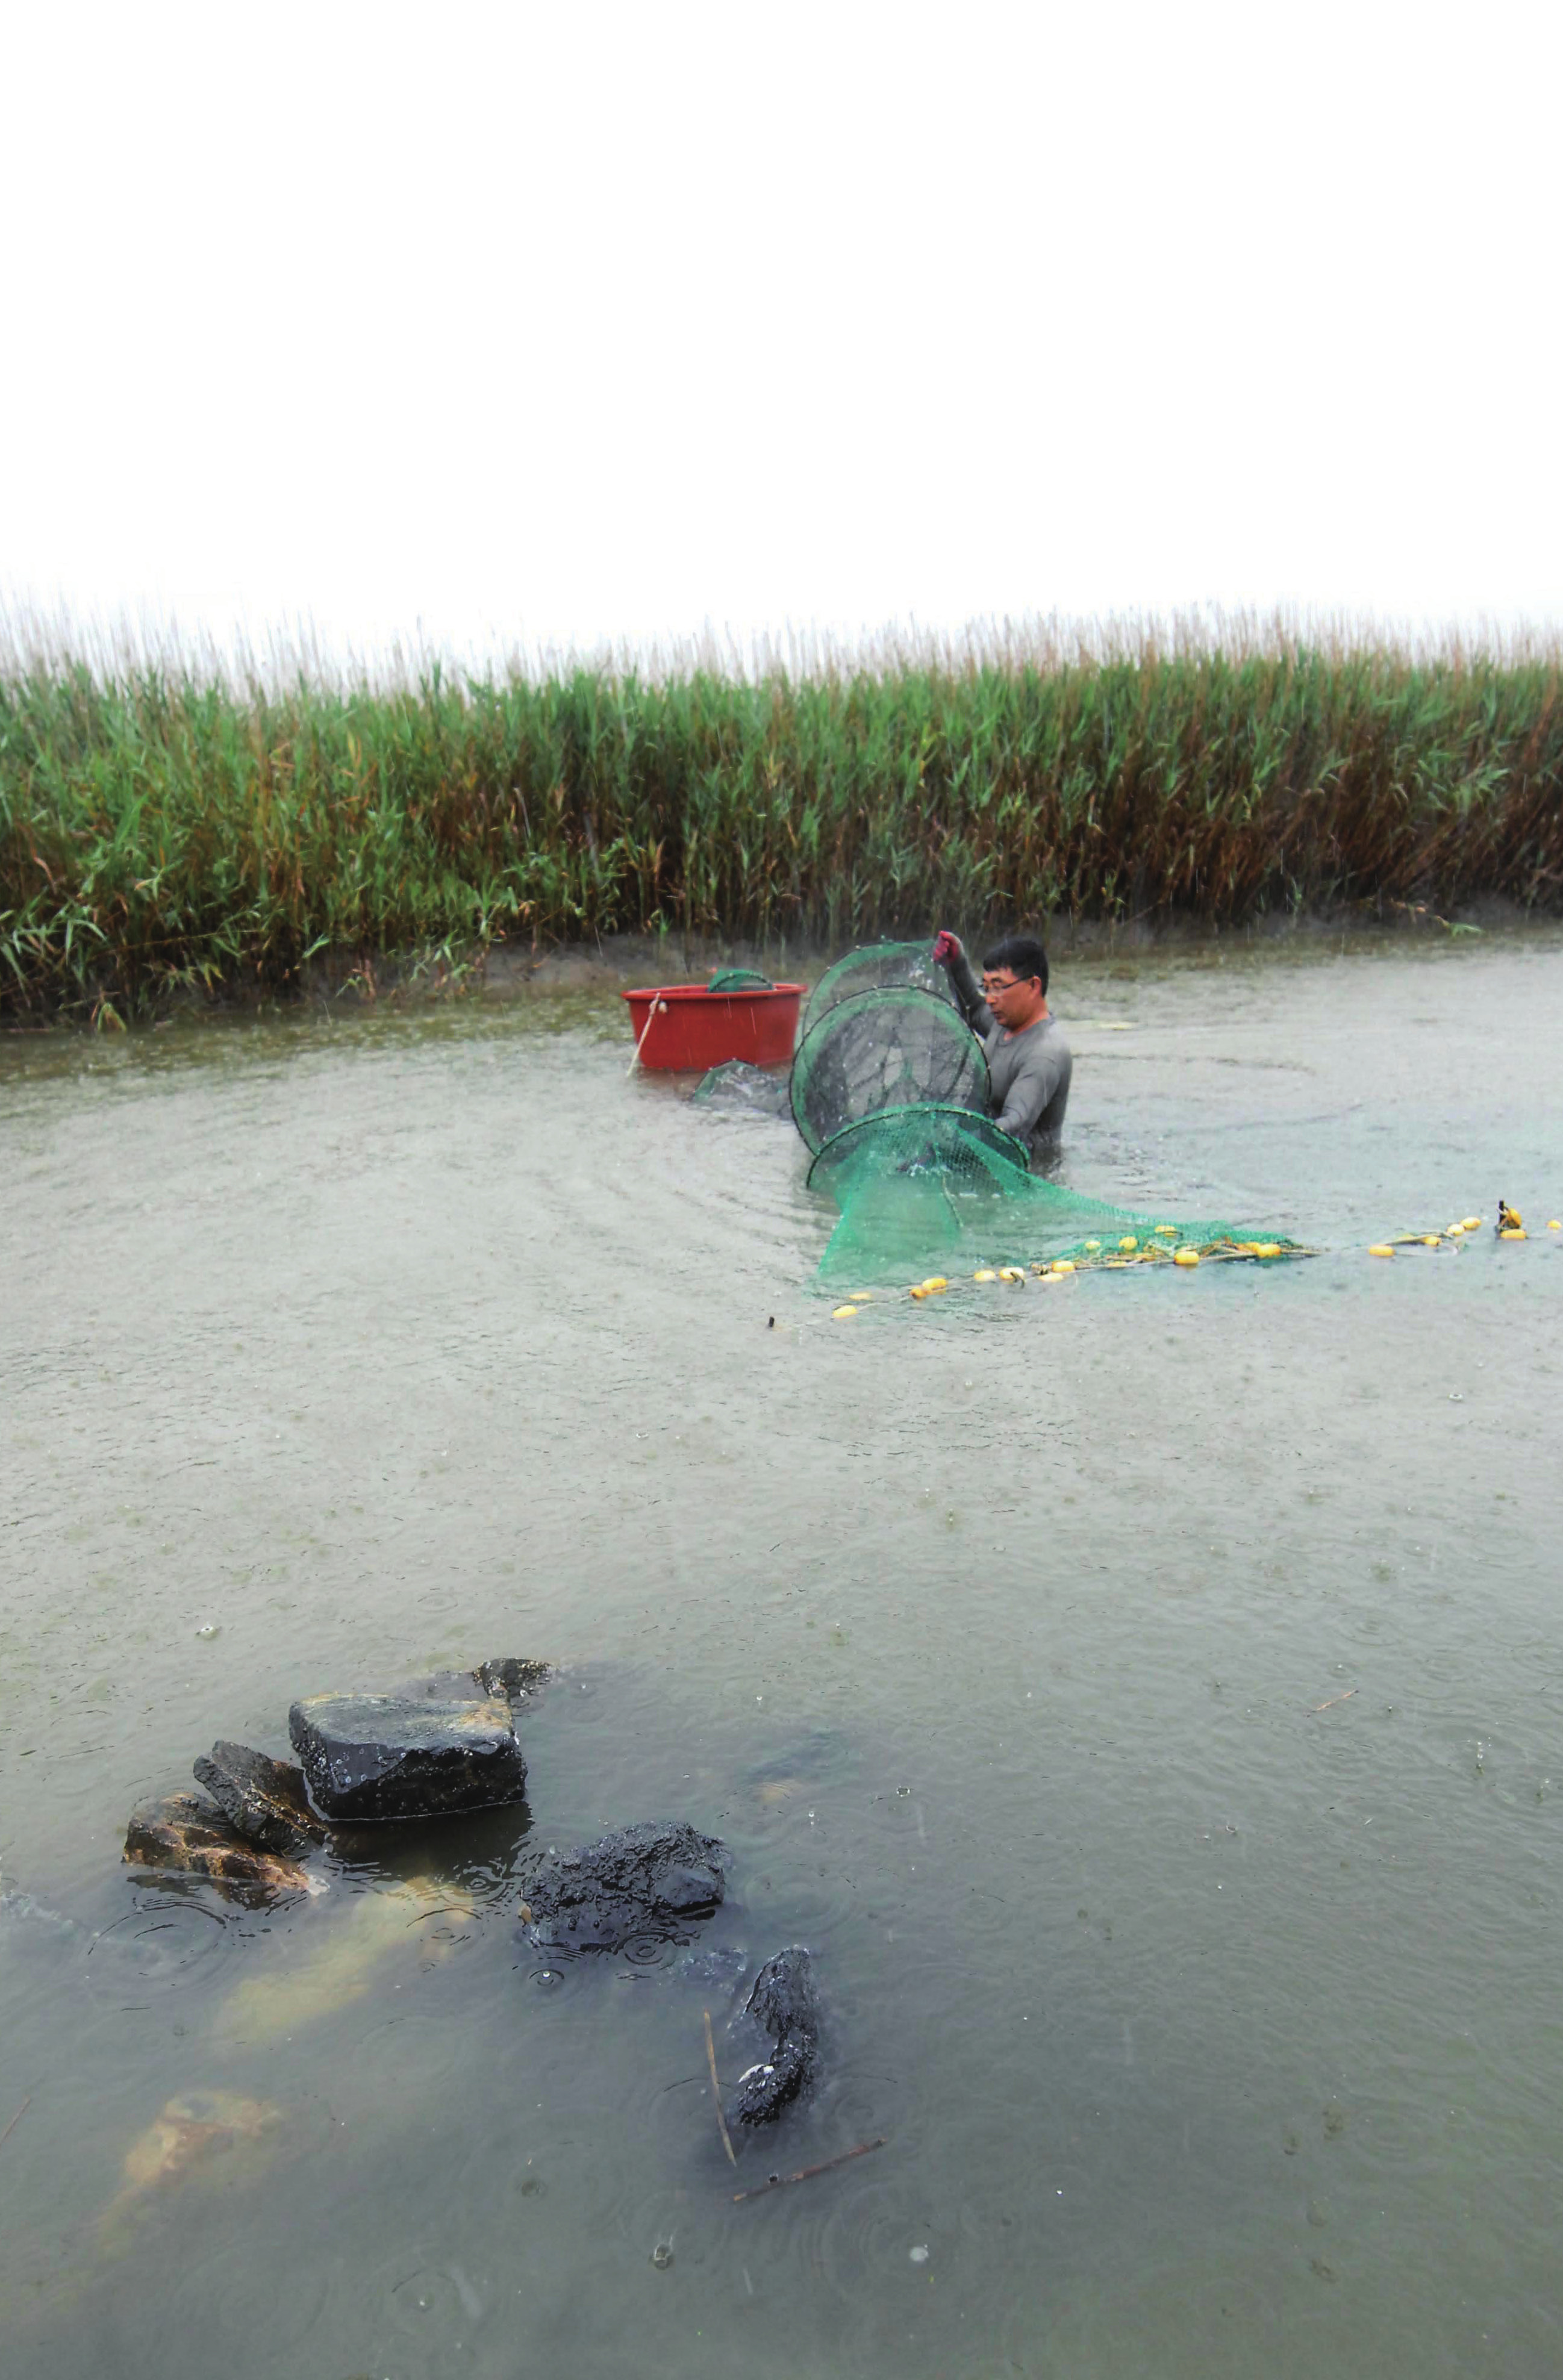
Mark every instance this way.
x=735 y=1088
x=921 y=1188
x=878 y=968
x=890 y=1090
x=881 y=1049
x=737 y=979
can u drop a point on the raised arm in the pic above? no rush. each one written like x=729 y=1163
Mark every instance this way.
x=950 y=954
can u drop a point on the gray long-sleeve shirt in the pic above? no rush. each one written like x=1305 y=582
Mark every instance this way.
x=1029 y=1072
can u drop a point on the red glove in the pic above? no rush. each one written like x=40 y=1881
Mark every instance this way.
x=947 y=947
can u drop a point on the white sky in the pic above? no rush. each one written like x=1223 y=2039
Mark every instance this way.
x=533 y=325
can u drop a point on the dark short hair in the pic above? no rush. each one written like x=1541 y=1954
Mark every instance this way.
x=1022 y=954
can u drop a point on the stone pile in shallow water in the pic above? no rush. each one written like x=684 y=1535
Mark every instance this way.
x=365 y=1760
x=264 y=1799
x=652 y=1883
x=445 y=1747
x=187 y=1836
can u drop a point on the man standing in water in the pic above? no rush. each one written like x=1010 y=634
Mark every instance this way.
x=1029 y=1060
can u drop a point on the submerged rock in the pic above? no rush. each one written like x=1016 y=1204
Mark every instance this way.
x=519 y=1682
x=218 y=2138
x=786 y=2005
x=263 y=1798
x=191 y=1837
x=379 y=1756
x=344 y=1954
x=516 y=1680
x=640 y=1880
x=190 y=2130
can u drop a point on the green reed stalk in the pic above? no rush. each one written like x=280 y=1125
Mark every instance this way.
x=162 y=826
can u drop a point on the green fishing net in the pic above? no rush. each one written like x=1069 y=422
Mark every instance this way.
x=879 y=1049
x=874 y=969
x=921 y=1187
x=735 y=1088
x=890 y=1090
x=739 y=980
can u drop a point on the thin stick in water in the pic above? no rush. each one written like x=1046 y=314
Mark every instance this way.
x=1334 y=1699
x=808 y=2172
x=716 y=2089
x=16 y=2120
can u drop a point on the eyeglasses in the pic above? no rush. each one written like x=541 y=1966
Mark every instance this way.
x=990 y=988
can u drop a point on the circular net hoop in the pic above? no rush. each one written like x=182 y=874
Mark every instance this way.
x=878 y=1049
x=957 y=1143
x=737 y=979
x=877 y=968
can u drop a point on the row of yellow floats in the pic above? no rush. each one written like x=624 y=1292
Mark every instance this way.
x=1095 y=1255
x=1130 y=1249
x=1510 y=1225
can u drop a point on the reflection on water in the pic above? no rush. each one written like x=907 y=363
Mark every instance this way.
x=1138 y=1696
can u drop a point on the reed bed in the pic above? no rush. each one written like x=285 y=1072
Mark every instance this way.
x=173 y=820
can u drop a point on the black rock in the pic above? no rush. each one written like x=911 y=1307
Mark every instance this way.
x=516 y=1680
x=263 y=1798
x=185 y=1835
x=646 y=1880
x=519 y=1682
x=376 y=1757
x=786 y=2005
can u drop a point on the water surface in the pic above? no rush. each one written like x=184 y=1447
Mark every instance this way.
x=1141 y=1694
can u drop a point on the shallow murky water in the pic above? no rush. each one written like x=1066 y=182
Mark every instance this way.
x=1141 y=1694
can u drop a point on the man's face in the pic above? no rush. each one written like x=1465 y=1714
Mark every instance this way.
x=1010 y=997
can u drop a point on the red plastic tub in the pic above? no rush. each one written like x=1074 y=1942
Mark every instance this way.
x=694 y=1028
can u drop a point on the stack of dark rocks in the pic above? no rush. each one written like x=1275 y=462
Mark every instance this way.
x=443 y=1749
x=438 y=1751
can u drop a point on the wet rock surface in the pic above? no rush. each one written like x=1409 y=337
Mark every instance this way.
x=647 y=1880
x=516 y=1680
x=187 y=1836
x=264 y=1799
x=784 y=2004
x=372 y=1757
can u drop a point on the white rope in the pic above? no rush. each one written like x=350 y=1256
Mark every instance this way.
x=656 y=1008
